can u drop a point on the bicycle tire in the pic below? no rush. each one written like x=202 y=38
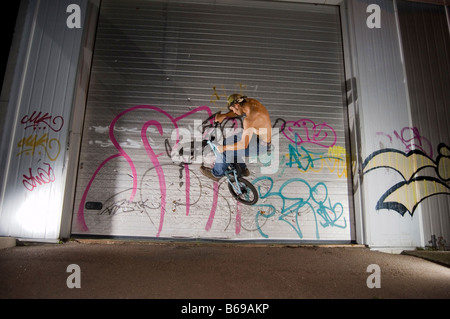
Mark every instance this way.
x=249 y=195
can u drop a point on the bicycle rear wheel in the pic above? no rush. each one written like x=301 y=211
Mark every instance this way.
x=249 y=194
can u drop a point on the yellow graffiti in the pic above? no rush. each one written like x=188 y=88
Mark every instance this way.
x=216 y=96
x=407 y=166
x=338 y=160
x=410 y=195
x=405 y=196
x=335 y=161
x=28 y=146
x=443 y=162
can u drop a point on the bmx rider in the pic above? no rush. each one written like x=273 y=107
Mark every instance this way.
x=255 y=138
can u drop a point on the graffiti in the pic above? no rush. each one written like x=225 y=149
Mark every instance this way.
x=411 y=139
x=28 y=146
x=36 y=120
x=125 y=207
x=147 y=203
x=303 y=199
x=215 y=96
x=41 y=145
x=406 y=195
x=154 y=157
x=171 y=149
x=43 y=176
x=187 y=149
x=337 y=160
x=307 y=131
x=305 y=160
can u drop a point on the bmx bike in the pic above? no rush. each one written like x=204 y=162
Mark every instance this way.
x=240 y=188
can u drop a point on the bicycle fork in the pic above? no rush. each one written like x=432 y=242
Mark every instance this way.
x=235 y=185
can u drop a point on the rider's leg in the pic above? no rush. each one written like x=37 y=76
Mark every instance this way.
x=225 y=158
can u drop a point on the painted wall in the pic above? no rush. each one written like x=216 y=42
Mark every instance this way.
x=426 y=46
x=154 y=82
x=34 y=139
x=397 y=98
x=400 y=156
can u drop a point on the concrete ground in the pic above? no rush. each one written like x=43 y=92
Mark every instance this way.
x=117 y=269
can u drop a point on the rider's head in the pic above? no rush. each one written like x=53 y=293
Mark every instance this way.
x=235 y=102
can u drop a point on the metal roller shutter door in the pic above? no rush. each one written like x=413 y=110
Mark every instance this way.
x=159 y=66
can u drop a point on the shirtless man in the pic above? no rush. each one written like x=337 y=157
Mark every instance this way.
x=254 y=139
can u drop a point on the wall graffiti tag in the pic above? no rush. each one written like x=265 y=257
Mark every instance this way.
x=411 y=139
x=406 y=195
x=306 y=160
x=40 y=146
x=43 y=175
x=48 y=147
x=307 y=131
x=39 y=120
x=314 y=199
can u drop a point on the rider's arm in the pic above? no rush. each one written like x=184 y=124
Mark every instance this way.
x=220 y=117
x=242 y=144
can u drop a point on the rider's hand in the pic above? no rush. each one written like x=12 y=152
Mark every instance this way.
x=220 y=148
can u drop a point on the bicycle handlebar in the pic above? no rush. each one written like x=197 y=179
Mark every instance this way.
x=209 y=119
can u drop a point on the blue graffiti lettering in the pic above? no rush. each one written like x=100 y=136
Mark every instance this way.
x=316 y=200
x=296 y=156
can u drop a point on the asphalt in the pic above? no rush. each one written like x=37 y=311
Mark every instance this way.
x=195 y=271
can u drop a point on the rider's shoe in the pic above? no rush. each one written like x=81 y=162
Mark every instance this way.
x=208 y=173
x=246 y=172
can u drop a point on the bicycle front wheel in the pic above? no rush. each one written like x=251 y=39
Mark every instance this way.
x=249 y=194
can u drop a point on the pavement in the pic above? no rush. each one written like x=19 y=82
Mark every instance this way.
x=436 y=256
x=109 y=269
